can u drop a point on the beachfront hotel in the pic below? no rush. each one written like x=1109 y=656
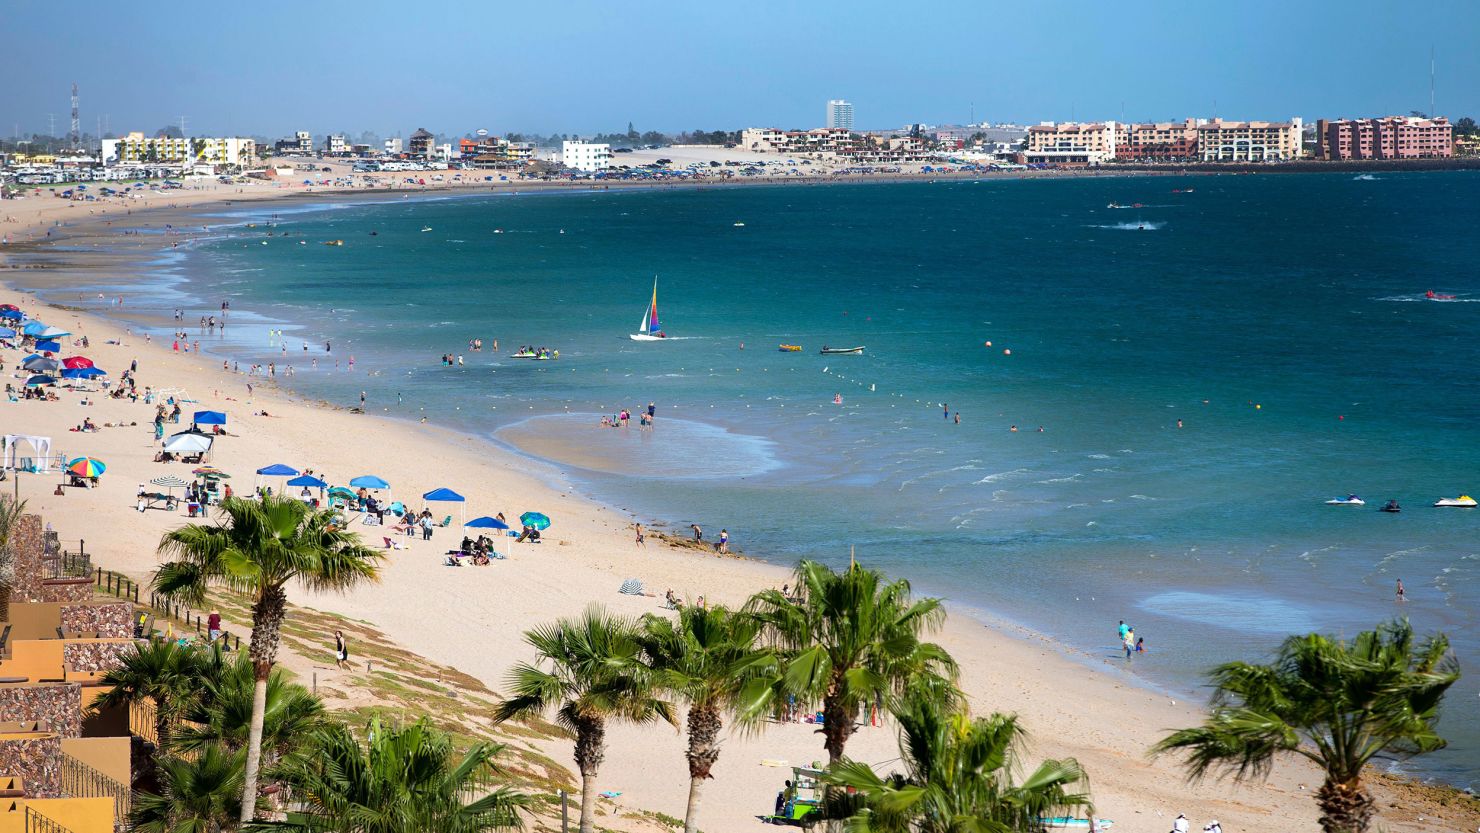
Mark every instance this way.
x=138 y=149
x=586 y=156
x=1157 y=141
x=1393 y=137
x=839 y=114
x=1071 y=143
x=1249 y=141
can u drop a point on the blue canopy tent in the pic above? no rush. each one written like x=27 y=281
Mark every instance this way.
x=486 y=522
x=370 y=481
x=6 y=332
x=307 y=481
x=446 y=495
x=54 y=332
x=210 y=418
x=12 y=314
x=49 y=346
x=33 y=328
x=275 y=470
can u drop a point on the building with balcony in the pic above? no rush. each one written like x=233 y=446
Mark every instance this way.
x=1157 y=142
x=1393 y=137
x=233 y=150
x=421 y=144
x=1249 y=141
x=839 y=114
x=392 y=146
x=136 y=148
x=833 y=140
x=336 y=145
x=1071 y=144
x=304 y=140
x=586 y=156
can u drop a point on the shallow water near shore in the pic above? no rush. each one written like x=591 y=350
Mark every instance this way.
x=1282 y=319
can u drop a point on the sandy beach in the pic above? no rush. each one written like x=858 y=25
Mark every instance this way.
x=472 y=618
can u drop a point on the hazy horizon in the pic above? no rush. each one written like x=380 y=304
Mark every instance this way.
x=589 y=67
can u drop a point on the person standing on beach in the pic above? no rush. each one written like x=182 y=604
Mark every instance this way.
x=641 y=541
x=1402 y=597
x=341 y=651
x=724 y=540
x=1130 y=642
x=362 y=400
x=698 y=532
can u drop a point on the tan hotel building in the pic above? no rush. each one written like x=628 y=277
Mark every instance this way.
x=1071 y=143
x=1249 y=141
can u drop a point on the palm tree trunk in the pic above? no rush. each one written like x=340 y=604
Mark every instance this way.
x=590 y=749
x=267 y=622
x=837 y=727
x=588 y=803
x=703 y=751
x=1346 y=807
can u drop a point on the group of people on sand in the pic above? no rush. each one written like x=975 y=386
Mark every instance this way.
x=480 y=551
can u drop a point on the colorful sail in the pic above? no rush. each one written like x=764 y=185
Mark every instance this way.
x=650 y=324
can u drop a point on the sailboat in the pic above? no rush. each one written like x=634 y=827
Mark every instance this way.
x=650 y=330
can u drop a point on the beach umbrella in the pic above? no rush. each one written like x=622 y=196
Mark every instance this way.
x=74 y=362
x=40 y=380
x=210 y=471
x=369 y=481
x=309 y=481
x=538 y=520
x=86 y=467
x=340 y=491
x=188 y=442
x=8 y=306
x=169 y=482
x=33 y=328
x=53 y=332
x=82 y=373
x=209 y=418
x=12 y=314
x=6 y=332
x=48 y=346
x=40 y=364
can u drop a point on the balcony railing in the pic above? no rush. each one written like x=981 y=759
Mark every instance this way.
x=79 y=780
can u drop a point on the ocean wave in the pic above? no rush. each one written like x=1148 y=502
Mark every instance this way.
x=1002 y=475
x=1068 y=479
x=1146 y=226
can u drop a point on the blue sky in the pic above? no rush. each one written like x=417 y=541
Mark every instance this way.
x=580 y=67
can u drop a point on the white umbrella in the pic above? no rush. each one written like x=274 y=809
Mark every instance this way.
x=188 y=442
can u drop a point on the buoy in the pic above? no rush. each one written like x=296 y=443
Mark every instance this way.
x=1258 y=407
x=989 y=344
x=1007 y=352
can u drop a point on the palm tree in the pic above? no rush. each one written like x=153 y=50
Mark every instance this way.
x=257 y=548
x=959 y=776
x=223 y=713
x=589 y=672
x=200 y=794
x=11 y=511
x=403 y=780
x=850 y=640
x=706 y=659
x=1337 y=703
x=164 y=674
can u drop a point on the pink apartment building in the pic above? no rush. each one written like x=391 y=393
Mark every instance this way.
x=1393 y=137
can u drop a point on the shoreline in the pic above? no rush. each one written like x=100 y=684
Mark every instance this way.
x=739 y=577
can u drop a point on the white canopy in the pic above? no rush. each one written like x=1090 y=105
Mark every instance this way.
x=40 y=445
x=188 y=442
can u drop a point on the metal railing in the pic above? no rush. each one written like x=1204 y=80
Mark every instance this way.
x=64 y=563
x=36 y=822
x=143 y=720
x=79 y=780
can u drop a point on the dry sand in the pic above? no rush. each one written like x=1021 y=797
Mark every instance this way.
x=472 y=618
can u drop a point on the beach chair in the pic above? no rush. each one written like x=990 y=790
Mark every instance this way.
x=392 y=545
x=447 y=521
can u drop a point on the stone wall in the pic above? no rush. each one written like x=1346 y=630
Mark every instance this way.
x=56 y=706
x=111 y=620
x=94 y=656
x=67 y=590
x=28 y=543
x=37 y=761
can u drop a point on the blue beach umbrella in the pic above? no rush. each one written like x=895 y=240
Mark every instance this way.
x=6 y=332
x=486 y=522
x=368 y=481
x=309 y=481
x=538 y=520
x=49 y=346
x=82 y=373
x=12 y=314
x=40 y=380
x=33 y=328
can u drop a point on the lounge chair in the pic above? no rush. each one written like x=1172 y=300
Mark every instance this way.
x=392 y=545
x=447 y=521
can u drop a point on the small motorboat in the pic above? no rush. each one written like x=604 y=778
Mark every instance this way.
x=333 y=242
x=1390 y=506
x=1437 y=296
x=426 y=228
x=1349 y=500
x=790 y=348
x=1114 y=205
x=840 y=351
x=738 y=225
x=1464 y=501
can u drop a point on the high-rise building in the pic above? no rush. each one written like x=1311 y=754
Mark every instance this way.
x=421 y=143
x=585 y=156
x=840 y=114
x=1250 y=141
x=1072 y=143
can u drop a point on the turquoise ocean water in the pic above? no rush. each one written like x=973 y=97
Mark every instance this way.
x=1281 y=318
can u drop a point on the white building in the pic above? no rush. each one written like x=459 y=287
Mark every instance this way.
x=335 y=145
x=840 y=114
x=393 y=146
x=584 y=156
x=137 y=149
x=1072 y=143
x=305 y=142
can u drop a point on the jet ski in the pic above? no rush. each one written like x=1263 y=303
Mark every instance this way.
x=1390 y=506
x=1437 y=296
x=1349 y=500
x=1463 y=501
